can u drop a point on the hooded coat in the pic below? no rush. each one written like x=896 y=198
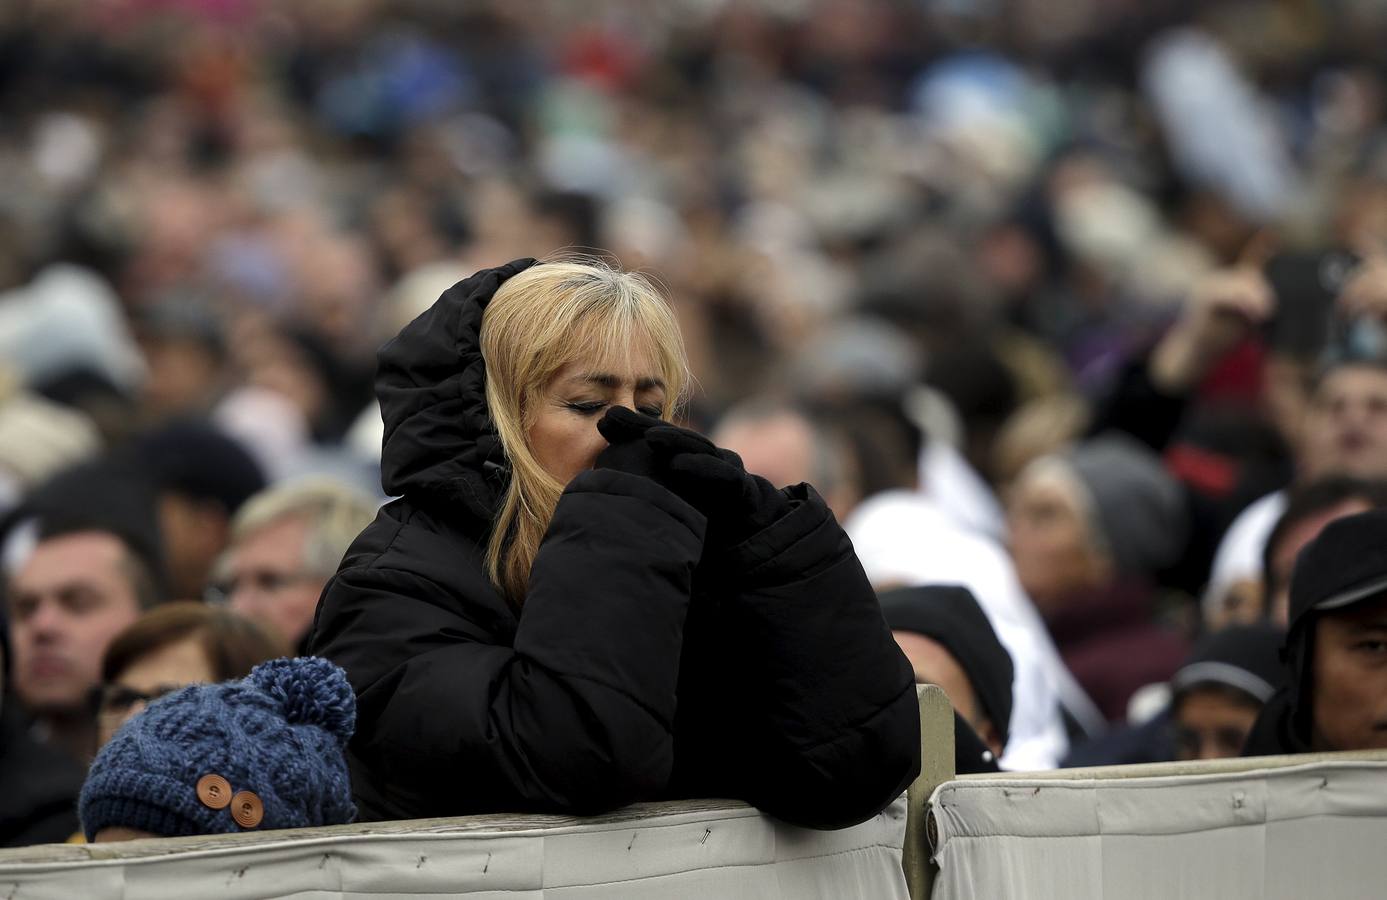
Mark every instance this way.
x=1285 y=724
x=38 y=786
x=639 y=668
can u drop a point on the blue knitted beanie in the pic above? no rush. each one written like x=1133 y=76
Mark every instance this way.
x=263 y=752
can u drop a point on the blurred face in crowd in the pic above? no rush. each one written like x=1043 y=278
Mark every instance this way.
x=195 y=534
x=184 y=374
x=1346 y=428
x=1052 y=544
x=68 y=600
x=161 y=671
x=781 y=448
x=934 y=664
x=1288 y=547
x=267 y=580
x=563 y=431
x=1213 y=721
x=1349 y=694
x=1242 y=602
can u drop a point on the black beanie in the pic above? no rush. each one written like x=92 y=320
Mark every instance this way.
x=1246 y=657
x=194 y=458
x=951 y=615
x=100 y=495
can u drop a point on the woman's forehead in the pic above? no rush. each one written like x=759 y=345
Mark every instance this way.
x=616 y=363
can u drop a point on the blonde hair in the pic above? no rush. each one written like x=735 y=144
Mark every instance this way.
x=334 y=512
x=546 y=317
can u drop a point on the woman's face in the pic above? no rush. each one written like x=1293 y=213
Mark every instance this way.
x=1050 y=541
x=563 y=434
x=156 y=673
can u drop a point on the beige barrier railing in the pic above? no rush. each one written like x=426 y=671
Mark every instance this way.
x=698 y=850
x=1129 y=831
x=1261 y=828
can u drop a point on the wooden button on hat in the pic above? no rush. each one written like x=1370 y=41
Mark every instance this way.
x=214 y=791
x=247 y=809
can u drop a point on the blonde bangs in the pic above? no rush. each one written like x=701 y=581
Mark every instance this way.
x=607 y=344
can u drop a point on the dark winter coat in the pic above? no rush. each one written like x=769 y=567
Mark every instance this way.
x=1107 y=637
x=638 y=669
x=38 y=786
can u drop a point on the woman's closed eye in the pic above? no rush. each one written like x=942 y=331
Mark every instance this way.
x=595 y=407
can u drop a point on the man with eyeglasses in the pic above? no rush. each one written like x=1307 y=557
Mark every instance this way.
x=285 y=543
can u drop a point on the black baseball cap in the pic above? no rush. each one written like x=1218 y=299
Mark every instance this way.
x=1344 y=565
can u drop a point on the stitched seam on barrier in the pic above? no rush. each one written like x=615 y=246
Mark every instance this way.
x=1163 y=781
x=891 y=847
x=396 y=890
x=749 y=865
x=714 y=815
x=1254 y=823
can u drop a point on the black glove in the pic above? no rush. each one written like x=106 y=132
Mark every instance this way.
x=628 y=450
x=710 y=479
x=714 y=481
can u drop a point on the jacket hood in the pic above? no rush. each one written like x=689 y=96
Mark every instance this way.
x=440 y=445
x=1285 y=722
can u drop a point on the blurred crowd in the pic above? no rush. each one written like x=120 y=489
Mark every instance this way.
x=1077 y=304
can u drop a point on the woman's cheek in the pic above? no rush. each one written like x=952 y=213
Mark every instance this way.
x=593 y=445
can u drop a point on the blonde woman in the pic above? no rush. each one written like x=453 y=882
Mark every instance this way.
x=574 y=605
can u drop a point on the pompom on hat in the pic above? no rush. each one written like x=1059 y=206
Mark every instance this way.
x=264 y=752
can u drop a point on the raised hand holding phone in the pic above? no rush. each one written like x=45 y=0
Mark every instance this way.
x=1224 y=308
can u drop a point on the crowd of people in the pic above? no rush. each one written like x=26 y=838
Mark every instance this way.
x=1074 y=316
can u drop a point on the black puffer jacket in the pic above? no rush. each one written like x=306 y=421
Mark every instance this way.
x=38 y=786
x=637 y=671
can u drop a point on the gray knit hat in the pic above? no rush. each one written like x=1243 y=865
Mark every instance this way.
x=1137 y=508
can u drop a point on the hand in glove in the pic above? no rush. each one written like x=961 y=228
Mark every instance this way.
x=627 y=450
x=737 y=503
x=708 y=478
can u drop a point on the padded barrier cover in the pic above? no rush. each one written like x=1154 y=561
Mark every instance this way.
x=731 y=852
x=1307 y=831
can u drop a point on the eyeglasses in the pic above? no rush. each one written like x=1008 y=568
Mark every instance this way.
x=112 y=701
x=264 y=581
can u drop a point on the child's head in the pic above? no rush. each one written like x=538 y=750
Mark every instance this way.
x=263 y=752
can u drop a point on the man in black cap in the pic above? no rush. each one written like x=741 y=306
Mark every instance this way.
x=1336 y=648
x=946 y=636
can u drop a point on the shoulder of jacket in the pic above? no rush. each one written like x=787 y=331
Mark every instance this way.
x=405 y=540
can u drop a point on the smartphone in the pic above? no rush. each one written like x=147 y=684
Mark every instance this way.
x=1306 y=285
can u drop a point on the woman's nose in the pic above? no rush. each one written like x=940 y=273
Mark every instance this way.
x=626 y=400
